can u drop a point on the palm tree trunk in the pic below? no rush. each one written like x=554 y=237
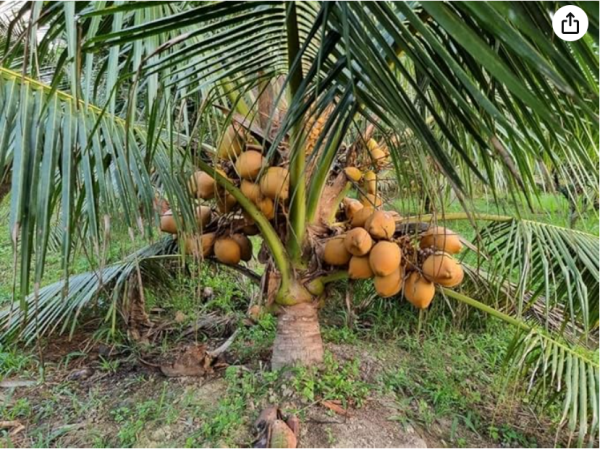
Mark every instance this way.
x=298 y=340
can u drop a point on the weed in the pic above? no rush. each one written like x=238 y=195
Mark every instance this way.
x=334 y=381
x=21 y=408
x=109 y=366
x=258 y=338
x=330 y=436
x=14 y=361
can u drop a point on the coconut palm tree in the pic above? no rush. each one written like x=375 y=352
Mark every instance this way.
x=104 y=104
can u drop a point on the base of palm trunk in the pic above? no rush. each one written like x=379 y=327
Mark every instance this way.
x=298 y=340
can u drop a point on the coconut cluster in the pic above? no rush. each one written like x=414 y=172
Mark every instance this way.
x=367 y=249
x=240 y=160
x=370 y=248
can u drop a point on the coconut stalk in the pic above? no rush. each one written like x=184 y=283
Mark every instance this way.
x=297 y=223
x=298 y=338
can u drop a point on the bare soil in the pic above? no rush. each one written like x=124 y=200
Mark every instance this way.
x=79 y=404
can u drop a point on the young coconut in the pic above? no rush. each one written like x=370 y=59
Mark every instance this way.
x=379 y=157
x=251 y=190
x=360 y=217
x=275 y=183
x=335 y=252
x=203 y=216
x=372 y=145
x=370 y=182
x=384 y=258
x=443 y=269
x=370 y=200
x=231 y=144
x=227 y=251
x=390 y=285
x=360 y=268
x=353 y=174
x=202 y=185
x=358 y=242
x=167 y=222
x=245 y=246
x=351 y=207
x=442 y=239
x=267 y=207
x=249 y=164
x=418 y=290
x=225 y=202
x=381 y=225
x=199 y=246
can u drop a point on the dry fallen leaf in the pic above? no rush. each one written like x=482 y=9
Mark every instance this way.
x=335 y=407
x=282 y=436
x=15 y=427
x=193 y=362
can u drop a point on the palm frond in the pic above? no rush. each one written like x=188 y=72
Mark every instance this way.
x=67 y=155
x=552 y=369
x=56 y=308
x=558 y=266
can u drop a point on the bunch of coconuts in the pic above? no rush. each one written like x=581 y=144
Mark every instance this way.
x=369 y=249
x=267 y=187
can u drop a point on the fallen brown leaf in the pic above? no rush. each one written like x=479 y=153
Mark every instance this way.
x=335 y=407
x=193 y=362
x=15 y=427
x=282 y=436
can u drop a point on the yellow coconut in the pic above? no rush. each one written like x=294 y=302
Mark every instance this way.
x=358 y=242
x=202 y=185
x=379 y=157
x=384 y=258
x=418 y=290
x=167 y=223
x=360 y=268
x=225 y=202
x=442 y=239
x=443 y=269
x=370 y=182
x=370 y=200
x=361 y=216
x=390 y=285
x=380 y=225
x=351 y=207
x=199 y=245
x=203 y=216
x=245 y=246
x=275 y=183
x=227 y=251
x=251 y=190
x=353 y=174
x=249 y=164
x=267 y=207
x=372 y=145
x=231 y=145
x=335 y=252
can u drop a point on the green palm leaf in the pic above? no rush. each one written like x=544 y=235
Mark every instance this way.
x=548 y=263
x=552 y=368
x=57 y=307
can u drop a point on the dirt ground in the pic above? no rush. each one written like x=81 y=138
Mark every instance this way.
x=79 y=404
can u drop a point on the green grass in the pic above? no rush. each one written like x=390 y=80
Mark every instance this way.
x=548 y=208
